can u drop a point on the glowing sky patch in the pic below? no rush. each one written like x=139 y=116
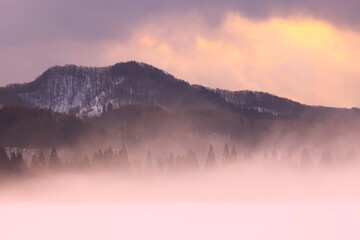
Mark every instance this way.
x=305 y=59
x=303 y=50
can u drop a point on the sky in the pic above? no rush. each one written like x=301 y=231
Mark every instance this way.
x=304 y=50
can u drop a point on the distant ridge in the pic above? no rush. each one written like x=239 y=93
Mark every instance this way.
x=91 y=91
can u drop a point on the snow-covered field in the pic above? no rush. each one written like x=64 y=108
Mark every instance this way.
x=180 y=221
x=234 y=202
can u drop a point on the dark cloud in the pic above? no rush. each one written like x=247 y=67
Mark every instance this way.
x=23 y=21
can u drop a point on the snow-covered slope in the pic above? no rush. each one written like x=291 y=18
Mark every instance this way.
x=90 y=91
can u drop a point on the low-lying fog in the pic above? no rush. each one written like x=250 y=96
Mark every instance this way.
x=265 y=194
x=234 y=201
x=236 y=182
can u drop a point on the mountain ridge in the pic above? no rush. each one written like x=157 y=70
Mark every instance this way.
x=91 y=91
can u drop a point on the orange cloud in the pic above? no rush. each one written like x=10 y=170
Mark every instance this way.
x=304 y=59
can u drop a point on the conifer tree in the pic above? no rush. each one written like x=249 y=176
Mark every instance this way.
x=123 y=157
x=326 y=158
x=233 y=153
x=19 y=161
x=108 y=154
x=226 y=154
x=191 y=159
x=274 y=155
x=4 y=160
x=12 y=164
x=54 y=160
x=210 y=160
x=148 y=161
x=100 y=155
x=34 y=161
x=124 y=153
x=85 y=162
x=41 y=159
x=171 y=160
x=95 y=158
x=305 y=157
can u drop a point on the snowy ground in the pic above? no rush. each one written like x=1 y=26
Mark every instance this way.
x=180 y=221
x=234 y=202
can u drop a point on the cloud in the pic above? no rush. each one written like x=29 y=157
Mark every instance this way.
x=304 y=50
x=300 y=58
x=23 y=21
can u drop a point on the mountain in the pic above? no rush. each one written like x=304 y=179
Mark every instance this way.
x=91 y=91
x=134 y=101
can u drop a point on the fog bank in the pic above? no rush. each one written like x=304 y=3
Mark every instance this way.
x=244 y=182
